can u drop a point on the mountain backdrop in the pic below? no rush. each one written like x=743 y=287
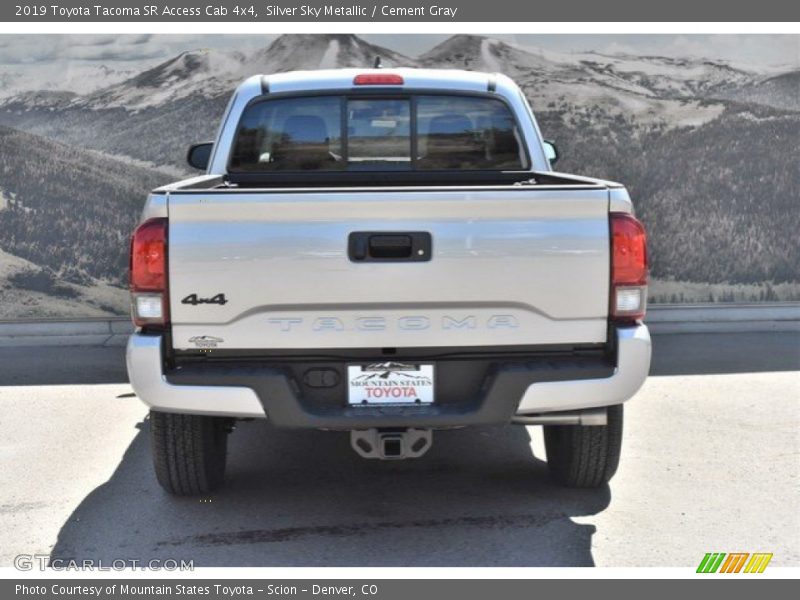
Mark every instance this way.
x=708 y=150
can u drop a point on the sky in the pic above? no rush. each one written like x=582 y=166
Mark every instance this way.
x=28 y=60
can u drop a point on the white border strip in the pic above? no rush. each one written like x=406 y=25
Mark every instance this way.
x=395 y=28
x=378 y=573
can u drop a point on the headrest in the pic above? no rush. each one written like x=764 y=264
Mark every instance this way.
x=450 y=124
x=305 y=129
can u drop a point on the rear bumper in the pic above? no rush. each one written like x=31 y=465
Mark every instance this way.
x=476 y=390
x=632 y=366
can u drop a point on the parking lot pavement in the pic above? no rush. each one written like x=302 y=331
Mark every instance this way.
x=710 y=462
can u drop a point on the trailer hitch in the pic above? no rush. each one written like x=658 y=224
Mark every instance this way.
x=391 y=444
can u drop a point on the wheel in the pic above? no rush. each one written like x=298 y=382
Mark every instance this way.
x=189 y=451
x=584 y=456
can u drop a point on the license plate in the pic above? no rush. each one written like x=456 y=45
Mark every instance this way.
x=390 y=383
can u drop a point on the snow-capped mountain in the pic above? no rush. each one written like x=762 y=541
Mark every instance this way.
x=76 y=77
x=651 y=90
x=45 y=99
x=184 y=95
x=665 y=76
x=208 y=72
x=479 y=53
x=214 y=73
x=313 y=51
x=646 y=75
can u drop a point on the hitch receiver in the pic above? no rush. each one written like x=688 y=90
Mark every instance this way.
x=391 y=444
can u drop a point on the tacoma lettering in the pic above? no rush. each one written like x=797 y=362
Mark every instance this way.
x=378 y=323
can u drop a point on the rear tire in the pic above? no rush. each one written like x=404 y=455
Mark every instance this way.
x=581 y=456
x=189 y=452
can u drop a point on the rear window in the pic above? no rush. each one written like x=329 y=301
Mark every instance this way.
x=336 y=133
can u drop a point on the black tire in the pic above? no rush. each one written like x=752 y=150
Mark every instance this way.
x=581 y=456
x=189 y=452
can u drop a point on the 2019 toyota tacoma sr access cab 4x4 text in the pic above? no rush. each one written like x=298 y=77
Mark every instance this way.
x=388 y=254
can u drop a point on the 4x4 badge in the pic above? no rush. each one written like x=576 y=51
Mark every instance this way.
x=194 y=300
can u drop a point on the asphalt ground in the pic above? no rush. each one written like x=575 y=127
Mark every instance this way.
x=710 y=462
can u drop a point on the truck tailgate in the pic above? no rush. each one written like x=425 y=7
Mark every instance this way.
x=515 y=265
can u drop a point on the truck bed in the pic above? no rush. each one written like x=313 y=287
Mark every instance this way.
x=371 y=179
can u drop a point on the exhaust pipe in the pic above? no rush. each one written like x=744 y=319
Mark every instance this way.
x=588 y=417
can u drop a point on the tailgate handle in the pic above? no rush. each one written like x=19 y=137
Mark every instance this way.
x=386 y=246
x=390 y=246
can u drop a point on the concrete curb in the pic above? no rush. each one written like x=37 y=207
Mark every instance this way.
x=724 y=318
x=662 y=319
x=77 y=332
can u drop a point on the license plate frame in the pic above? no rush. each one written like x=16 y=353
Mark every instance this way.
x=391 y=383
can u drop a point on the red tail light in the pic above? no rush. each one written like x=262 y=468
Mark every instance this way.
x=148 y=273
x=628 y=268
x=378 y=79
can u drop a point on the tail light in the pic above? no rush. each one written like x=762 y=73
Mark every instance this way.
x=148 y=274
x=628 y=268
x=378 y=79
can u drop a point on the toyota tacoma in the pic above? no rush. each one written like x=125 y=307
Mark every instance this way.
x=387 y=253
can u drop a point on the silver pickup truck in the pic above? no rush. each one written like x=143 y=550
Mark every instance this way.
x=386 y=253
